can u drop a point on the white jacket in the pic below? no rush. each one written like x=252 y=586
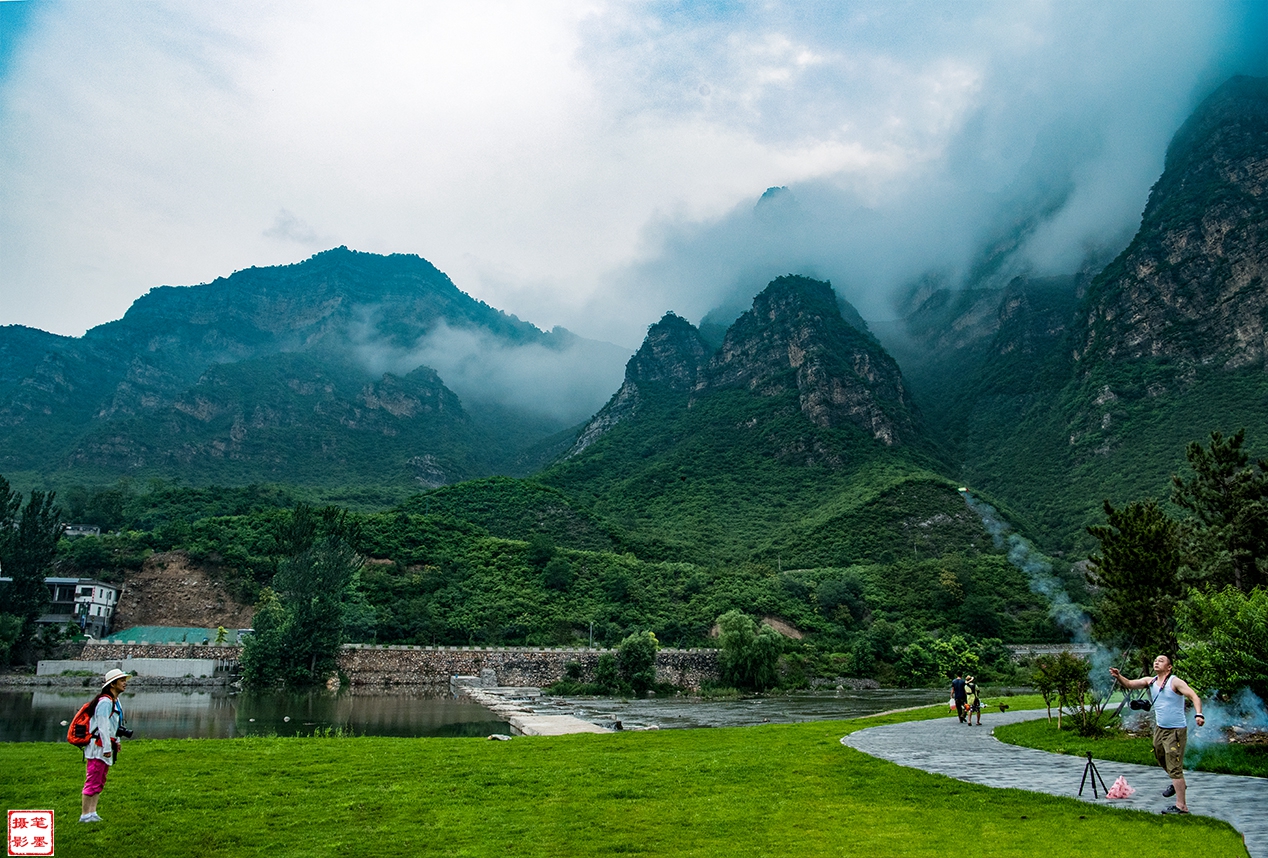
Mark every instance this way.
x=104 y=728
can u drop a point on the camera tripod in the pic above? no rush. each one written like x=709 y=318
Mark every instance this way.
x=1090 y=769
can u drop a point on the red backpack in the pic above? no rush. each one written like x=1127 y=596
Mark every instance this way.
x=79 y=733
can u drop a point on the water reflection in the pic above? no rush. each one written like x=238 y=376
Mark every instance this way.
x=38 y=715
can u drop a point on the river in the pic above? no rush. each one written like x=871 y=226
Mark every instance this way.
x=39 y=715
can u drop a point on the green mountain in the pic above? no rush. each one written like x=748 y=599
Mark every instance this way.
x=1054 y=394
x=794 y=442
x=308 y=374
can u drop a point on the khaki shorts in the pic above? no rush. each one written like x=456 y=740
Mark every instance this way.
x=1169 y=750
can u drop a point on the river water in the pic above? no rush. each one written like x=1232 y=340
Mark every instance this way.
x=40 y=715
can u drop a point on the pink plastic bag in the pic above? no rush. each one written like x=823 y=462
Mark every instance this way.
x=1120 y=789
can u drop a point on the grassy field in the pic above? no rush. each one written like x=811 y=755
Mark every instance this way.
x=777 y=790
x=1123 y=748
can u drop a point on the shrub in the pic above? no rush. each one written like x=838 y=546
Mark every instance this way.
x=1226 y=641
x=607 y=675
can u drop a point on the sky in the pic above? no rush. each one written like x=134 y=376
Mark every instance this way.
x=587 y=164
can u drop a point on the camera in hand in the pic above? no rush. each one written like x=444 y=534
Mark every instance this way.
x=1144 y=705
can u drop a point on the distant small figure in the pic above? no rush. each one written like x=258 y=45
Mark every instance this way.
x=960 y=695
x=975 y=700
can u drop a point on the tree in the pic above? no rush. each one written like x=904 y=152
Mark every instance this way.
x=28 y=544
x=842 y=599
x=558 y=574
x=636 y=660
x=10 y=630
x=1230 y=500
x=263 y=654
x=1138 y=573
x=1225 y=641
x=749 y=658
x=1066 y=680
x=607 y=675
x=313 y=598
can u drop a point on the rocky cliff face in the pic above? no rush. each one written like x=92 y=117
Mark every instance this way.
x=673 y=355
x=1191 y=286
x=793 y=340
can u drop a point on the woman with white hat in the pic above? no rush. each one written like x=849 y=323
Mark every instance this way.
x=103 y=747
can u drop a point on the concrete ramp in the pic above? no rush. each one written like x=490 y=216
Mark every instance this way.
x=512 y=704
x=551 y=725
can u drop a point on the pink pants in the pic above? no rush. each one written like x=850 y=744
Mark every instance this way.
x=95 y=780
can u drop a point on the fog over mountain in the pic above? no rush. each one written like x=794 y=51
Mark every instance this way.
x=586 y=165
x=566 y=381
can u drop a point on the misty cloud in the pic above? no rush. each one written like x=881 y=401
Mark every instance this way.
x=1037 y=127
x=568 y=380
x=287 y=227
x=587 y=164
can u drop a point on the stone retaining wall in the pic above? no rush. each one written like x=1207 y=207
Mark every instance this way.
x=369 y=665
x=520 y=666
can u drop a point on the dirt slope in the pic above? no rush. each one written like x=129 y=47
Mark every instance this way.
x=171 y=590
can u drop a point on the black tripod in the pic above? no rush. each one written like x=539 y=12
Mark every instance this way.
x=1090 y=768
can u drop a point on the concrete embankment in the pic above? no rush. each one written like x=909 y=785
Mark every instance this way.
x=514 y=706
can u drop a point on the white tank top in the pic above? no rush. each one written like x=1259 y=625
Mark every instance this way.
x=1168 y=705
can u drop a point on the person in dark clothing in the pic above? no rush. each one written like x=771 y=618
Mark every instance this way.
x=960 y=694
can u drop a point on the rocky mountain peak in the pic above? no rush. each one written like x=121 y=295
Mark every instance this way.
x=795 y=339
x=673 y=354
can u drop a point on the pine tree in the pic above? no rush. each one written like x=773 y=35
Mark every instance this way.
x=1138 y=573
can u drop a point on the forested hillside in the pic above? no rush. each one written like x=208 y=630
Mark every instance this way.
x=311 y=375
x=1054 y=394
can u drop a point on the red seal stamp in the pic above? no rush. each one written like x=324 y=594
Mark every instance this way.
x=30 y=832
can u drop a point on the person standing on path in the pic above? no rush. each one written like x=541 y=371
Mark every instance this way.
x=1167 y=694
x=960 y=696
x=974 y=698
x=103 y=746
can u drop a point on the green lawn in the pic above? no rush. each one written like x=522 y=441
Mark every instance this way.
x=777 y=790
x=1120 y=747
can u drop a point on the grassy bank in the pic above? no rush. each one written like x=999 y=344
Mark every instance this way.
x=786 y=790
x=1120 y=747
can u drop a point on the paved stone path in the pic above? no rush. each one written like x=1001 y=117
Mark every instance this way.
x=944 y=745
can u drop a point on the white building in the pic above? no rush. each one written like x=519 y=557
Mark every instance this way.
x=88 y=603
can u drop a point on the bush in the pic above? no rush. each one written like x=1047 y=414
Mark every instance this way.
x=1226 y=641
x=607 y=675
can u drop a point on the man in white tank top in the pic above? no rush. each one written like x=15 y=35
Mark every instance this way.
x=1167 y=694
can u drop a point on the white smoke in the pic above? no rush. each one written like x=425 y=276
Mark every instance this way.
x=1038 y=569
x=1244 y=713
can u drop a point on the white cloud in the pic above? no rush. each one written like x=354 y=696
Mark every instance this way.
x=590 y=164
